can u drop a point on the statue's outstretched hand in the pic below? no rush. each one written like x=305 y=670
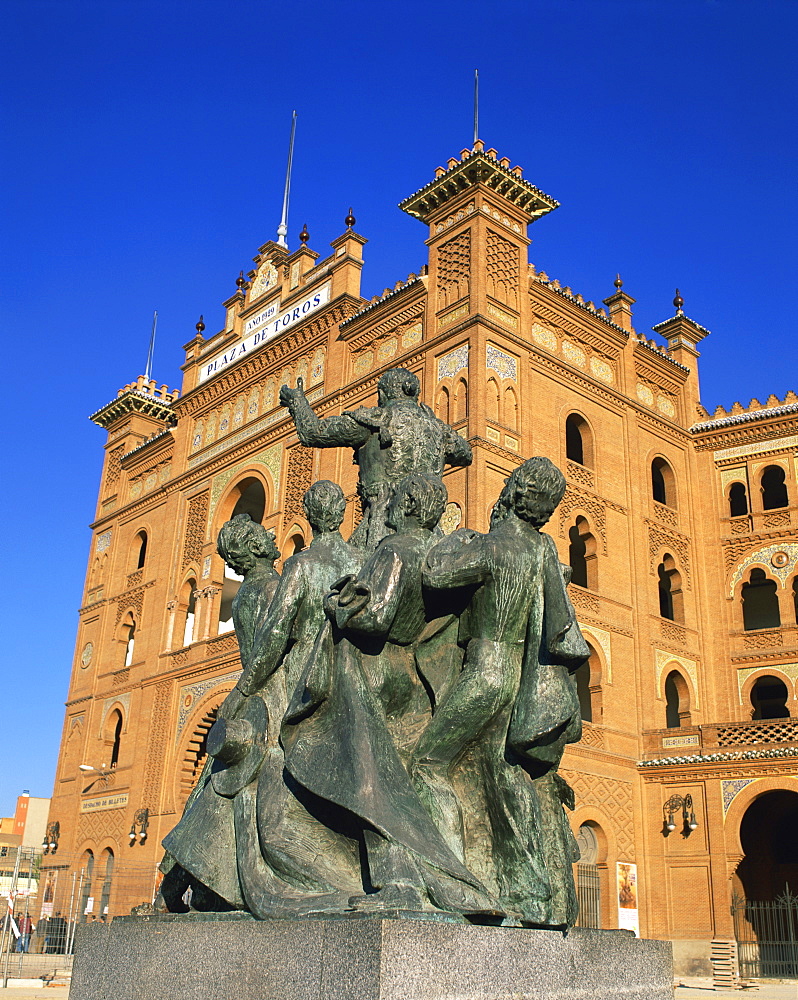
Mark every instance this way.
x=288 y=395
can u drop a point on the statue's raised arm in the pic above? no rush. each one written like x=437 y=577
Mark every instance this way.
x=397 y=437
x=320 y=432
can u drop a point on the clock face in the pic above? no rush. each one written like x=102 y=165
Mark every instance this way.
x=86 y=655
x=265 y=279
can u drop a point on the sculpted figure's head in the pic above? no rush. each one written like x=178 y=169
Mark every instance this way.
x=419 y=497
x=532 y=492
x=324 y=505
x=242 y=542
x=398 y=383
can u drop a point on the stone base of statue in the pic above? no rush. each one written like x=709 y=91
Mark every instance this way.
x=360 y=957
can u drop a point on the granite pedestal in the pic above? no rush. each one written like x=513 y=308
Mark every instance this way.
x=366 y=958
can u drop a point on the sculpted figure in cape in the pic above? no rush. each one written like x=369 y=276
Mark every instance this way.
x=398 y=436
x=198 y=853
x=366 y=695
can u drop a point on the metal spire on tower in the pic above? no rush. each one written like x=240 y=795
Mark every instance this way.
x=476 y=106
x=148 y=369
x=282 y=229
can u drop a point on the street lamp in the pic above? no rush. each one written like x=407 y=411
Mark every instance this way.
x=672 y=806
x=142 y=820
x=101 y=773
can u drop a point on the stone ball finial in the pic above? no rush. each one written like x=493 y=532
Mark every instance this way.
x=350 y=220
x=304 y=236
x=618 y=283
x=200 y=325
x=240 y=282
x=678 y=301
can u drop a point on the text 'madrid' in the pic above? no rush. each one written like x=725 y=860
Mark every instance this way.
x=262 y=328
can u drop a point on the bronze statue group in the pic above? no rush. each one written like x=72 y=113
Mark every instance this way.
x=392 y=743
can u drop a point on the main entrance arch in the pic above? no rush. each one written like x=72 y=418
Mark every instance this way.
x=765 y=887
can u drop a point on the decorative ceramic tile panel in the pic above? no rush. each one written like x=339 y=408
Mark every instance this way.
x=505 y=365
x=573 y=354
x=453 y=362
x=544 y=337
x=731 y=787
x=644 y=394
x=602 y=370
x=193 y=693
x=451 y=518
x=779 y=558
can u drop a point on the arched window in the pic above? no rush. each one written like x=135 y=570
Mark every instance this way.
x=442 y=404
x=588 y=688
x=296 y=543
x=738 y=500
x=113 y=728
x=251 y=500
x=769 y=699
x=105 y=895
x=128 y=632
x=492 y=401
x=582 y=677
x=460 y=401
x=141 y=549
x=511 y=408
x=774 y=488
x=188 y=606
x=677 y=701
x=578 y=440
x=669 y=585
x=582 y=555
x=760 y=603
x=663 y=483
x=86 y=875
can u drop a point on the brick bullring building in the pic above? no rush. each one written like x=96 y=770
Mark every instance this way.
x=679 y=526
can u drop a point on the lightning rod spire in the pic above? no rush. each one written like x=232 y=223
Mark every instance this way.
x=148 y=369
x=282 y=229
x=476 y=106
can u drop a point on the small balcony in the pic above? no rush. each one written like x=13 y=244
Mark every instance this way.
x=718 y=737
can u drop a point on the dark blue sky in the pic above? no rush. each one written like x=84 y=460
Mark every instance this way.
x=144 y=157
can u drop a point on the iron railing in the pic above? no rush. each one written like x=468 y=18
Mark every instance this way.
x=767 y=936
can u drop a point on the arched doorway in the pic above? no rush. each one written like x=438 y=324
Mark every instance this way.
x=765 y=885
x=588 y=879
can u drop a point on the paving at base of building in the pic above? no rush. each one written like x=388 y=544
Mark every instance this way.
x=698 y=990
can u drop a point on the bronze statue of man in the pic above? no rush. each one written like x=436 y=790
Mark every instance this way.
x=200 y=850
x=486 y=765
x=398 y=436
x=362 y=702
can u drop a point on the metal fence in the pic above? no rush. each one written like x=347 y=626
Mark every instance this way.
x=56 y=893
x=767 y=936
x=588 y=892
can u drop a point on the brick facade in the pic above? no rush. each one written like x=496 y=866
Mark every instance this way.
x=520 y=365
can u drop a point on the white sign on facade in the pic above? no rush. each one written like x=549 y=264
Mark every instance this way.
x=262 y=328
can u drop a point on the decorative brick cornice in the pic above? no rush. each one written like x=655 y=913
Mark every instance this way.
x=582 y=331
x=133 y=401
x=473 y=169
x=776 y=753
x=496 y=449
x=413 y=282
